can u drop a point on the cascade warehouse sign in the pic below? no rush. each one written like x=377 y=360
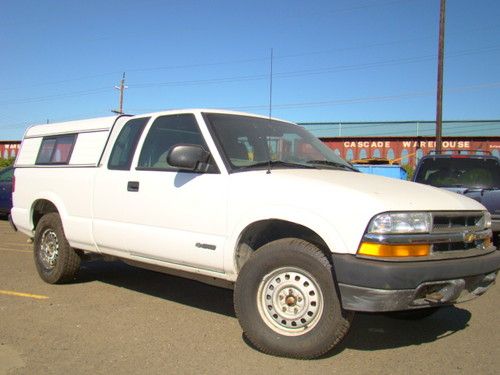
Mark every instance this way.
x=465 y=145
x=407 y=150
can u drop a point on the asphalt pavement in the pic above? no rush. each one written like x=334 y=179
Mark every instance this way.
x=117 y=319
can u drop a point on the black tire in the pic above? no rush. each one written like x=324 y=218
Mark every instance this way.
x=56 y=262
x=305 y=318
x=414 y=314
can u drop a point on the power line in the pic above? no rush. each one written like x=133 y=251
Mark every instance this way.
x=369 y=99
x=240 y=61
x=308 y=72
x=234 y=79
x=56 y=96
x=358 y=100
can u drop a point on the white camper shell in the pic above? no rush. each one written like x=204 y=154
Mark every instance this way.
x=85 y=149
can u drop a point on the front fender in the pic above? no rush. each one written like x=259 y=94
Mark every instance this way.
x=312 y=221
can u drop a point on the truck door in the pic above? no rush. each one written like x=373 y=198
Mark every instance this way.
x=162 y=214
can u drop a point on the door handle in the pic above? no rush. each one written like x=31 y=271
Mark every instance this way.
x=133 y=186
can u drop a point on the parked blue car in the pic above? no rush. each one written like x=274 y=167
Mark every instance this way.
x=6 y=175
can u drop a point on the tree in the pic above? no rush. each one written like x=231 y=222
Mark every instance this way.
x=6 y=162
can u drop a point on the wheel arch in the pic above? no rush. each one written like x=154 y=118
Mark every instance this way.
x=260 y=232
x=44 y=205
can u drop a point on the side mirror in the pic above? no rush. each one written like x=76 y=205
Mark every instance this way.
x=187 y=157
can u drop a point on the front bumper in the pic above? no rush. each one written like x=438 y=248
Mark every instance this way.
x=495 y=227
x=374 y=285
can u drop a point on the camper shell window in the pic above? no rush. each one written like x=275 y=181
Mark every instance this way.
x=56 y=149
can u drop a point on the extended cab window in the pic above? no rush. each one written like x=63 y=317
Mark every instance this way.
x=166 y=132
x=124 y=148
x=56 y=149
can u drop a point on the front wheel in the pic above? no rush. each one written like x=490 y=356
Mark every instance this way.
x=55 y=260
x=287 y=303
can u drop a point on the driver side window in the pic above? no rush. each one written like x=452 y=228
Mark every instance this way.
x=165 y=133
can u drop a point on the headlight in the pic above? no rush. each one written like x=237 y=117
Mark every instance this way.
x=401 y=222
x=487 y=220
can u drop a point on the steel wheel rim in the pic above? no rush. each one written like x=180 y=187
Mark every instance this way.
x=49 y=249
x=290 y=301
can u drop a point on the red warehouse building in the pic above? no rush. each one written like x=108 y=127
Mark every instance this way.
x=406 y=142
x=9 y=149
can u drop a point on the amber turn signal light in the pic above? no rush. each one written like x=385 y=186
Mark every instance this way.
x=389 y=251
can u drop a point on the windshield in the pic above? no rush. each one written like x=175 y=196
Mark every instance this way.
x=460 y=172
x=253 y=143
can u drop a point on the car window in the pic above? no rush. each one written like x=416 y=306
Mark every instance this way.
x=460 y=172
x=165 y=133
x=6 y=175
x=124 y=148
x=56 y=149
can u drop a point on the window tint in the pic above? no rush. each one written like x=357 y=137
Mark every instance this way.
x=166 y=132
x=56 y=150
x=124 y=148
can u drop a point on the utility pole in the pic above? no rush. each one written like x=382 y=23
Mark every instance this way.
x=271 y=87
x=439 y=98
x=122 y=88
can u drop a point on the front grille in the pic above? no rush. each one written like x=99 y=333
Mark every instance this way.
x=455 y=246
x=456 y=222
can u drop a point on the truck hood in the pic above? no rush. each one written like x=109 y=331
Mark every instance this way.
x=337 y=205
x=349 y=189
x=343 y=201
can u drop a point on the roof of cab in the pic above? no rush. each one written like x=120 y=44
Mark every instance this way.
x=105 y=123
x=205 y=110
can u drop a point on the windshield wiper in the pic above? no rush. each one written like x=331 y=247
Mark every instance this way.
x=332 y=164
x=271 y=163
x=468 y=189
x=483 y=189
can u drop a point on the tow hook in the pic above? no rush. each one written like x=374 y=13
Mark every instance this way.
x=435 y=297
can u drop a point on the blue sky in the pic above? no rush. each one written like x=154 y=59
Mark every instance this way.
x=342 y=60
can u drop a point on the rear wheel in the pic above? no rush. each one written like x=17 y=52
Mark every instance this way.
x=55 y=260
x=286 y=301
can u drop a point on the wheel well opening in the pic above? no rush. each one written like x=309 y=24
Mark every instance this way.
x=42 y=207
x=262 y=232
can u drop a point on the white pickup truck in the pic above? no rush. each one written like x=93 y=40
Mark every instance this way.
x=256 y=204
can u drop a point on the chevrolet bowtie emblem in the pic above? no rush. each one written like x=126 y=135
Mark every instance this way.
x=469 y=237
